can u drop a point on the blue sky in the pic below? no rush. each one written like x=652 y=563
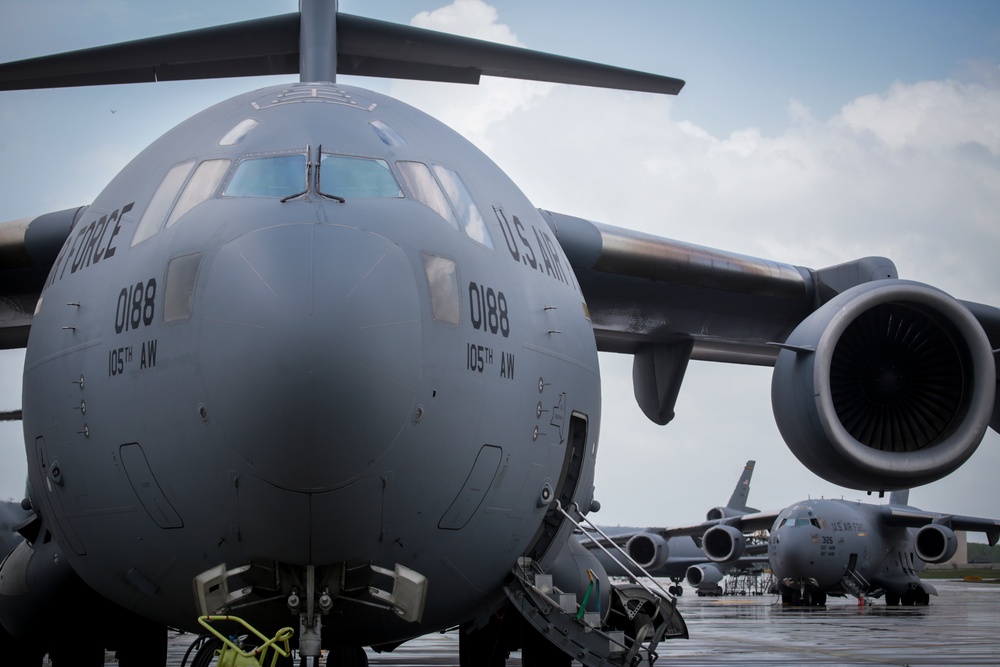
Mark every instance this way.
x=809 y=133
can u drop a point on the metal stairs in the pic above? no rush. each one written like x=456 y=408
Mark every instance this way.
x=641 y=614
x=855 y=584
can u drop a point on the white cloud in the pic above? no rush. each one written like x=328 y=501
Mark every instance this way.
x=929 y=115
x=471 y=18
x=470 y=110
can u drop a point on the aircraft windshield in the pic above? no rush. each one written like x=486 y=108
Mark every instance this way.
x=277 y=176
x=348 y=177
x=801 y=521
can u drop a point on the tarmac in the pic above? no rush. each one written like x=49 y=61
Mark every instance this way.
x=961 y=626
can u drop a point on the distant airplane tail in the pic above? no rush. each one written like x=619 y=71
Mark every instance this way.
x=738 y=501
x=737 y=504
x=901 y=497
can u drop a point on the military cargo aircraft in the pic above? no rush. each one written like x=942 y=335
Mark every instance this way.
x=311 y=355
x=679 y=559
x=837 y=547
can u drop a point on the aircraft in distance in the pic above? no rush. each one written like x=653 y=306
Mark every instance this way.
x=836 y=547
x=312 y=355
x=681 y=558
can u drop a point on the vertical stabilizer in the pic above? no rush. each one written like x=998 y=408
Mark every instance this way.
x=318 y=41
x=738 y=501
x=901 y=497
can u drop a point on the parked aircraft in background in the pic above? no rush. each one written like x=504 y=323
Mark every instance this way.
x=679 y=558
x=312 y=355
x=818 y=548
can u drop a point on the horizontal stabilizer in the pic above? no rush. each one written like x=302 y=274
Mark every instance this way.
x=249 y=48
x=366 y=47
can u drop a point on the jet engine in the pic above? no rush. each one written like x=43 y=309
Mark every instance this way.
x=935 y=543
x=721 y=512
x=703 y=575
x=648 y=550
x=889 y=385
x=723 y=544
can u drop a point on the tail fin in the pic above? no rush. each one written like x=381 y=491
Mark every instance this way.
x=738 y=501
x=900 y=497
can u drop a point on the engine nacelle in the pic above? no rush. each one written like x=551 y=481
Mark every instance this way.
x=935 y=543
x=703 y=575
x=721 y=513
x=723 y=544
x=889 y=385
x=648 y=550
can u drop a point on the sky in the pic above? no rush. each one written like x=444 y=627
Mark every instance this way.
x=808 y=133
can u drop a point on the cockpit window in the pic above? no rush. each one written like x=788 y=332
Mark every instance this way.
x=388 y=135
x=444 y=191
x=238 y=133
x=803 y=521
x=202 y=185
x=275 y=176
x=178 y=296
x=346 y=176
x=421 y=183
x=442 y=279
x=162 y=199
x=466 y=209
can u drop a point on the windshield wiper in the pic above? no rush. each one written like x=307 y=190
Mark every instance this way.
x=288 y=198
x=319 y=189
x=295 y=196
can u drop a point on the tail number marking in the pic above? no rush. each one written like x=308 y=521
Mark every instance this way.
x=488 y=310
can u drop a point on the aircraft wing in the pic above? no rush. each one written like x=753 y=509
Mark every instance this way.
x=911 y=517
x=644 y=289
x=28 y=248
x=747 y=523
x=840 y=339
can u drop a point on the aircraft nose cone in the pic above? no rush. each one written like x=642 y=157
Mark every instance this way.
x=310 y=345
x=797 y=553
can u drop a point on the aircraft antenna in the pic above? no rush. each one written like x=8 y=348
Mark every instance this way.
x=318 y=41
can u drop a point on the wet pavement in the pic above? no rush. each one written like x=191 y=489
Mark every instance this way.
x=959 y=627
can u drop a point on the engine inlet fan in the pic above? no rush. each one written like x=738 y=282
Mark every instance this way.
x=897 y=378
